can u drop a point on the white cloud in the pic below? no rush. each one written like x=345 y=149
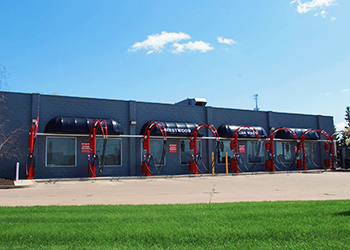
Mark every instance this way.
x=333 y=18
x=156 y=42
x=312 y=5
x=328 y=93
x=340 y=126
x=323 y=13
x=192 y=46
x=226 y=40
x=345 y=90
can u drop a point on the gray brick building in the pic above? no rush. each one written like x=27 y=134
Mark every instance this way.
x=60 y=155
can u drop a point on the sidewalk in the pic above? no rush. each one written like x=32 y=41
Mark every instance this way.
x=331 y=185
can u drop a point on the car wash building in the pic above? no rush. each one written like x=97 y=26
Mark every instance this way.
x=72 y=137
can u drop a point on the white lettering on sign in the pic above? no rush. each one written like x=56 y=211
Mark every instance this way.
x=241 y=148
x=247 y=132
x=85 y=147
x=178 y=130
x=172 y=148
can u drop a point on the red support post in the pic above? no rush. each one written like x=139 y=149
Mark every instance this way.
x=146 y=144
x=234 y=165
x=303 y=148
x=272 y=153
x=93 y=132
x=332 y=153
x=193 y=142
x=30 y=170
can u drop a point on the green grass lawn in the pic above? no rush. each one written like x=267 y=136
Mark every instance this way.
x=247 y=225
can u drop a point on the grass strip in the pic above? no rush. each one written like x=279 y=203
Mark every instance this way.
x=246 y=225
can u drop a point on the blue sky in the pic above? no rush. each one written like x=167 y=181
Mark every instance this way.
x=294 y=54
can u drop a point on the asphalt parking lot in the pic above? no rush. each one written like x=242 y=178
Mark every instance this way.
x=318 y=185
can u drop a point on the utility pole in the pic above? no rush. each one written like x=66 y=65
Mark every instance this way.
x=256 y=102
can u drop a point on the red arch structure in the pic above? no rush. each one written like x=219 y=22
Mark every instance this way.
x=30 y=164
x=340 y=132
x=270 y=164
x=234 y=145
x=146 y=144
x=193 y=143
x=93 y=157
x=328 y=146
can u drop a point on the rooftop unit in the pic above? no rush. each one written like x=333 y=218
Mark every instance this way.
x=193 y=102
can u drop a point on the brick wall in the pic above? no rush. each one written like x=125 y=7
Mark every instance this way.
x=24 y=107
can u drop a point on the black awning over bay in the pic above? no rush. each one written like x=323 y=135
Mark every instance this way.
x=77 y=125
x=284 y=134
x=173 y=129
x=227 y=131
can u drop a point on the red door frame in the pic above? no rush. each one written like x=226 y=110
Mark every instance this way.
x=329 y=141
x=146 y=143
x=270 y=146
x=193 y=141
x=234 y=144
x=95 y=125
x=30 y=158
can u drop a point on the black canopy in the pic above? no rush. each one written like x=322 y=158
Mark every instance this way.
x=284 y=134
x=75 y=125
x=173 y=129
x=228 y=130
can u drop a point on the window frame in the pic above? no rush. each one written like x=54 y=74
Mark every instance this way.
x=228 y=153
x=261 y=153
x=291 y=149
x=313 y=145
x=143 y=151
x=188 y=142
x=121 y=152
x=61 y=166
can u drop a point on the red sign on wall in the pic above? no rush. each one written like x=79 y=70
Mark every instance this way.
x=85 y=147
x=241 y=148
x=172 y=148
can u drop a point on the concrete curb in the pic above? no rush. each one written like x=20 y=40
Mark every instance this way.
x=19 y=184
x=112 y=178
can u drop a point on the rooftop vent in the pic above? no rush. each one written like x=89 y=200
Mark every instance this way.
x=193 y=102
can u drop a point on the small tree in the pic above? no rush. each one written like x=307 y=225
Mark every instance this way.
x=9 y=140
x=344 y=139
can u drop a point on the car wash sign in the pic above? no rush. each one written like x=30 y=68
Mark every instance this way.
x=85 y=147
x=177 y=131
x=241 y=149
x=179 y=128
x=172 y=148
x=183 y=129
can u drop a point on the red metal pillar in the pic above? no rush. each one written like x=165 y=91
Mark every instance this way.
x=236 y=164
x=303 y=148
x=30 y=169
x=195 y=152
x=148 y=142
x=92 y=166
x=272 y=153
x=332 y=153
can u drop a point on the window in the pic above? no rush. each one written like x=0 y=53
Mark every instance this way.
x=255 y=151
x=186 y=153
x=113 y=156
x=224 y=147
x=60 y=152
x=156 y=150
x=310 y=151
x=284 y=151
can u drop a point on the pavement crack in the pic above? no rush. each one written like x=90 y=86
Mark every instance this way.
x=211 y=193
